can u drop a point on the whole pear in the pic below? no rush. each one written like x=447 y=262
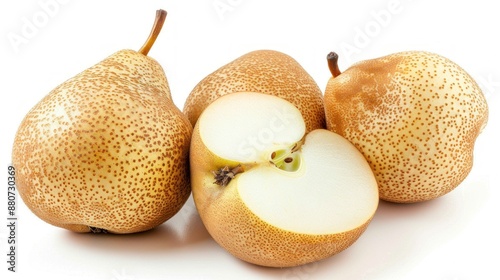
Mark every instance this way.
x=265 y=71
x=107 y=150
x=414 y=115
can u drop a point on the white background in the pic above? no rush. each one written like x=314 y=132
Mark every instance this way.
x=451 y=238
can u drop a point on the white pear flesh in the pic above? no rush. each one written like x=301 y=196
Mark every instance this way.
x=274 y=216
x=268 y=124
x=328 y=194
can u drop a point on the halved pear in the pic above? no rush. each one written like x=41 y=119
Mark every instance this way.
x=271 y=195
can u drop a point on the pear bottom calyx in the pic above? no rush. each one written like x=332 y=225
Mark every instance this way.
x=225 y=174
x=97 y=230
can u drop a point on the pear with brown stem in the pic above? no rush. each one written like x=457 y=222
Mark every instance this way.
x=107 y=150
x=414 y=115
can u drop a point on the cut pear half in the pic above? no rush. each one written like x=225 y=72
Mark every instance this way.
x=319 y=184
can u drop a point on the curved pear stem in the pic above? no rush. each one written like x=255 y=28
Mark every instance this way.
x=333 y=59
x=155 y=31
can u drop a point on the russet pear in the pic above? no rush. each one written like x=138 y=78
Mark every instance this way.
x=263 y=71
x=273 y=194
x=107 y=150
x=414 y=115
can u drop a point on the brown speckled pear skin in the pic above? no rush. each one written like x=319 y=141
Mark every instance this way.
x=264 y=71
x=241 y=232
x=415 y=116
x=106 y=149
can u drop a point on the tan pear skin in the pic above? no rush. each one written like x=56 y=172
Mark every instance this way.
x=107 y=150
x=414 y=115
x=264 y=71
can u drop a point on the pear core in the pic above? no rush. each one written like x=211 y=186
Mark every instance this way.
x=330 y=187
